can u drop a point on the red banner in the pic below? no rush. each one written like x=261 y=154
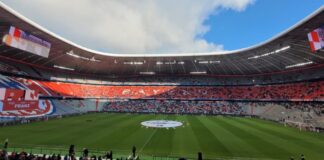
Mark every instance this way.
x=12 y=94
x=22 y=105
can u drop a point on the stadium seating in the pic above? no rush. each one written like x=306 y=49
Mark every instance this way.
x=306 y=91
x=176 y=107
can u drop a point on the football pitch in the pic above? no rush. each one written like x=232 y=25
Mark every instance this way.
x=214 y=136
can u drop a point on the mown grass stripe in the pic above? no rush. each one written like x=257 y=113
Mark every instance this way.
x=207 y=140
x=218 y=135
x=254 y=138
x=184 y=140
x=239 y=147
x=291 y=143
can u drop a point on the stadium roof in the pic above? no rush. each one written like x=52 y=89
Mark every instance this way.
x=288 y=50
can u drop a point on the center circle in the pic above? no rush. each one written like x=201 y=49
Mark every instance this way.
x=161 y=124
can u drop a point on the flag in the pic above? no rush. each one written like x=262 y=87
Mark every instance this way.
x=17 y=38
x=1 y=106
x=316 y=39
x=2 y=93
x=15 y=32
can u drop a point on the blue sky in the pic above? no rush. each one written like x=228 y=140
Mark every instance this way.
x=259 y=22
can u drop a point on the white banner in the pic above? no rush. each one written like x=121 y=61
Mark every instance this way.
x=19 y=39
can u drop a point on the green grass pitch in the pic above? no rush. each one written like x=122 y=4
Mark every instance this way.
x=214 y=136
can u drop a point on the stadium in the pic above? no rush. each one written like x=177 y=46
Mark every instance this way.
x=60 y=100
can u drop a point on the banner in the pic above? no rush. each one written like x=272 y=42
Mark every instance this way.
x=316 y=39
x=27 y=42
x=31 y=95
x=12 y=94
x=25 y=108
x=19 y=105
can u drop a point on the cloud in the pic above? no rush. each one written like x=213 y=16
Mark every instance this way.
x=129 y=26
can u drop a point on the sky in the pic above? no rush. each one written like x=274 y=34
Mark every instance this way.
x=165 y=26
x=258 y=23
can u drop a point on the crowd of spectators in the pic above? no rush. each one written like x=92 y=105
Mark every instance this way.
x=5 y=155
x=307 y=91
x=206 y=107
x=25 y=156
x=175 y=107
x=317 y=108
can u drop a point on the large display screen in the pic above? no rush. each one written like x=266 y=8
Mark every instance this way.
x=17 y=38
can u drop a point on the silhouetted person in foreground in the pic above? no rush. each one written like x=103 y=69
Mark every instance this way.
x=85 y=152
x=134 y=151
x=200 y=156
x=6 y=144
x=302 y=157
x=71 y=152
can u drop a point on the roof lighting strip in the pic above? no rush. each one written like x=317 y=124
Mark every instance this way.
x=299 y=64
x=64 y=68
x=270 y=53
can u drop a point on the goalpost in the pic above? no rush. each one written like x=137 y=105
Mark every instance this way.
x=300 y=125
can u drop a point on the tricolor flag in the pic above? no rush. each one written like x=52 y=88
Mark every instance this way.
x=316 y=39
